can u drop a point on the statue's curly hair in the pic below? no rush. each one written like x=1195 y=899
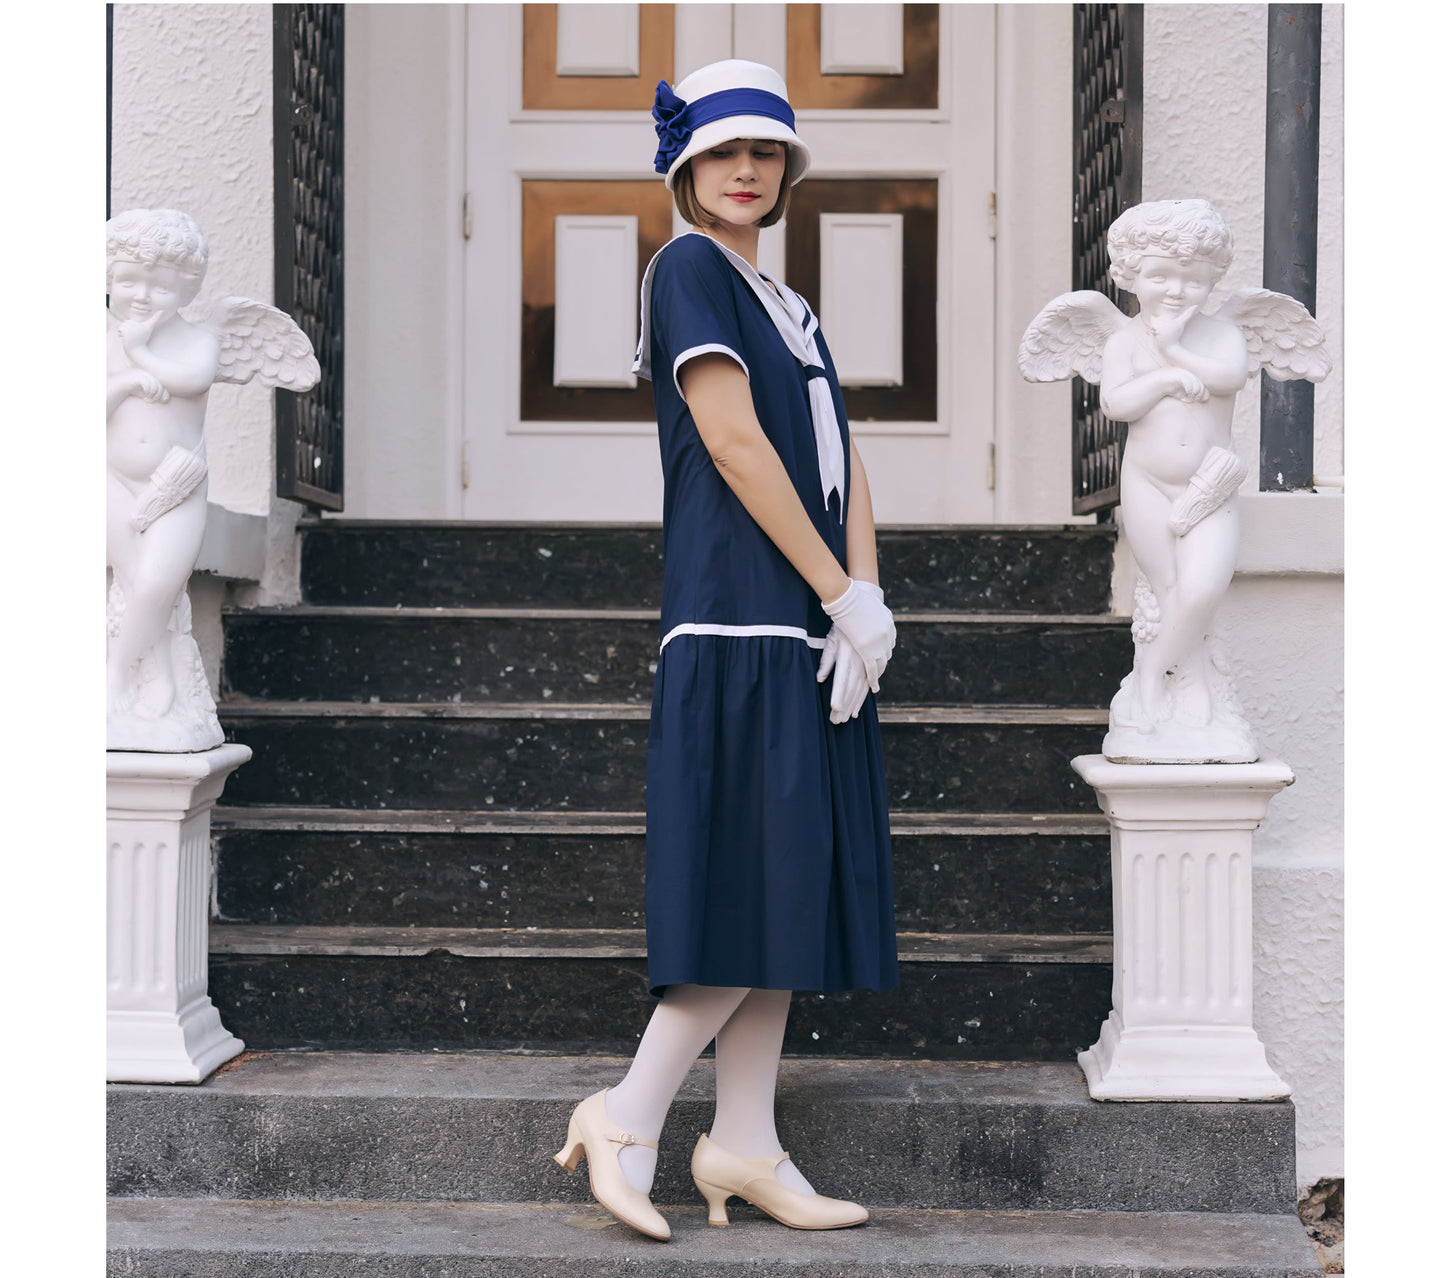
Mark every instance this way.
x=1185 y=229
x=151 y=236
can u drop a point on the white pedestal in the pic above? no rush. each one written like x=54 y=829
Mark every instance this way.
x=1182 y=838
x=161 y=1026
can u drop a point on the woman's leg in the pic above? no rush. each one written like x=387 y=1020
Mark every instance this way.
x=748 y=1048
x=686 y=1020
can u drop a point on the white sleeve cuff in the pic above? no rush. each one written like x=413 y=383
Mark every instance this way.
x=694 y=351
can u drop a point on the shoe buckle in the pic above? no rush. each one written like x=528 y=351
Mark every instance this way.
x=627 y=1138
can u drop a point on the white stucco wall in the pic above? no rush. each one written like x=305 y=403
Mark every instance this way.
x=1205 y=74
x=191 y=129
x=1282 y=624
x=405 y=104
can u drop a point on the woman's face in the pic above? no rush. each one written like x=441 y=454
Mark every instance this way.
x=738 y=182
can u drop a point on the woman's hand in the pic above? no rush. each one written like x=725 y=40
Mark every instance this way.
x=850 y=682
x=867 y=624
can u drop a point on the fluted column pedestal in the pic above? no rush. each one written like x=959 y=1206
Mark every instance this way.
x=1182 y=840
x=161 y=1026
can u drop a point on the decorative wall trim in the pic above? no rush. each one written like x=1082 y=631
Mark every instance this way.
x=543 y=89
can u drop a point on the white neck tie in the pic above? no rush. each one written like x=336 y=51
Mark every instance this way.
x=798 y=327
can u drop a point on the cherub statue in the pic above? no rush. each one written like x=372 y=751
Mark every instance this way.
x=160 y=368
x=1172 y=373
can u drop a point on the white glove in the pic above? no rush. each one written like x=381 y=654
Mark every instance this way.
x=859 y=612
x=850 y=684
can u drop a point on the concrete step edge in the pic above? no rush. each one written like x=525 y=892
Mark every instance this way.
x=218 y=1232
x=363 y=612
x=254 y=939
x=422 y=821
x=241 y=709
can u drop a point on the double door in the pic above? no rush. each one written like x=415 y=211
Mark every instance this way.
x=890 y=237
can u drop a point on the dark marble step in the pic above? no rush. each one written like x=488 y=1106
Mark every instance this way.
x=577 y=870
x=960 y=997
x=218 y=1239
x=970 y=569
x=320 y=654
x=479 y=1126
x=529 y=757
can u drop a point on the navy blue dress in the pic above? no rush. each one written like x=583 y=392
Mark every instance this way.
x=768 y=856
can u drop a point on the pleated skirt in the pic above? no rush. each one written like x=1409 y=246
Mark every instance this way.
x=768 y=856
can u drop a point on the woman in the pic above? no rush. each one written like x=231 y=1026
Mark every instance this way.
x=768 y=859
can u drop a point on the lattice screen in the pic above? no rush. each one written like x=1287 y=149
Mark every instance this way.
x=1108 y=154
x=308 y=165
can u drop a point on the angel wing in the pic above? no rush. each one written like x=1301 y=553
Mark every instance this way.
x=259 y=340
x=1280 y=334
x=1068 y=337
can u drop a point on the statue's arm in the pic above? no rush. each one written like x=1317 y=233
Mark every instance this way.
x=1223 y=370
x=187 y=376
x=1126 y=397
x=118 y=388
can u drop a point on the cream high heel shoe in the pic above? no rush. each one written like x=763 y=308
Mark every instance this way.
x=719 y=1175
x=590 y=1131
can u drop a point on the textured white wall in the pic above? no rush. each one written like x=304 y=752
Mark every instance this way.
x=405 y=100
x=191 y=129
x=1204 y=101
x=1284 y=636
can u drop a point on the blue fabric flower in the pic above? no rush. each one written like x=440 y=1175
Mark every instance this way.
x=672 y=131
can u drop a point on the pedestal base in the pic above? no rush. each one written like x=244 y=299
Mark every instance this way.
x=1181 y=852
x=1185 y=1063
x=167 y=1047
x=161 y=1026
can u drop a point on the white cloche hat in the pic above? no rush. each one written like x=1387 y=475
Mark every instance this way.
x=719 y=102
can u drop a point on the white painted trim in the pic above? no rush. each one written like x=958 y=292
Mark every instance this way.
x=454 y=287
x=693 y=351
x=1283 y=534
x=582 y=428
x=862 y=430
x=234 y=544
x=760 y=34
x=594 y=273
x=876 y=49
x=583 y=29
x=739 y=632
x=701 y=33
x=864 y=313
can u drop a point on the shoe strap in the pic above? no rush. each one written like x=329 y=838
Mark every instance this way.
x=627 y=1138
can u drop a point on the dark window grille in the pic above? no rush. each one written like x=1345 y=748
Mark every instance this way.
x=308 y=46
x=1108 y=154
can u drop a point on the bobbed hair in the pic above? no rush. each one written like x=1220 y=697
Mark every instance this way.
x=684 y=195
x=1182 y=229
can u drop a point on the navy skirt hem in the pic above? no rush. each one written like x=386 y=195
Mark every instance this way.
x=768 y=852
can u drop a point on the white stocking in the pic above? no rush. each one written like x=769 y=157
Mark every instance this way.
x=686 y=1020
x=748 y=1047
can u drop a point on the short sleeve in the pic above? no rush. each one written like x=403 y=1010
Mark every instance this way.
x=694 y=305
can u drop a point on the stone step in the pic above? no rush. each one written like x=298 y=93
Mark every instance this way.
x=220 y=1239
x=960 y=997
x=442 y=564
x=481 y=1127
x=594 y=757
x=477 y=654
x=957 y=873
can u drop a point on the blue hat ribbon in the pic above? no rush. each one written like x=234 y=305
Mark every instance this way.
x=676 y=120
